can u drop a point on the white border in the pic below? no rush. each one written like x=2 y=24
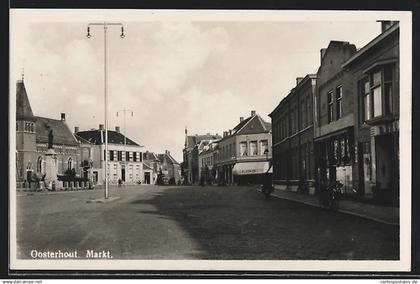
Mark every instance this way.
x=21 y=17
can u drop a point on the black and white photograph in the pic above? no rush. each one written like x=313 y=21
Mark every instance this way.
x=210 y=140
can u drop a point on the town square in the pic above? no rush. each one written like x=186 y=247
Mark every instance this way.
x=208 y=140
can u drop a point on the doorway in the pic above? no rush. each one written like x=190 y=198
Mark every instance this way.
x=123 y=174
x=147 y=178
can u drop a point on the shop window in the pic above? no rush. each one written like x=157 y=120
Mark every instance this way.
x=339 y=94
x=330 y=106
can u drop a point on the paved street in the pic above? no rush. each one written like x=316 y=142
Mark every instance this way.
x=150 y=222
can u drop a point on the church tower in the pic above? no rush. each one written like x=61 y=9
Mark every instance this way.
x=25 y=134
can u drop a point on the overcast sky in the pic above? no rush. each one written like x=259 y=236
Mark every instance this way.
x=203 y=75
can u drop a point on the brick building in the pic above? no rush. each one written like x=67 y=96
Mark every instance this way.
x=170 y=168
x=32 y=137
x=245 y=151
x=190 y=164
x=375 y=87
x=334 y=117
x=292 y=123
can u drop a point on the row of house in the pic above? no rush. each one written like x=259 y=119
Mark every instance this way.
x=46 y=148
x=342 y=123
x=240 y=156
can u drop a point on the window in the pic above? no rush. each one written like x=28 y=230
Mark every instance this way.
x=111 y=155
x=140 y=157
x=388 y=89
x=264 y=147
x=119 y=155
x=69 y=163
x=308 y=110
x=253 y=151
x=365 y=88
x=330 y=106
x=134 y=156
x=303 y=116
x=376 y=90
x=243 y=149
x=339 y=92
x=39 y=165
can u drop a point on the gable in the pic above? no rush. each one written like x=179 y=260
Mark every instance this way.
x=254 y=125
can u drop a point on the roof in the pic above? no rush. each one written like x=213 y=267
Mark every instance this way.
x=169 y=158
x=371 y=44
x=192 y=140
x=147 y=166
x=60 y=131
x=150 y=156
x=95 y=137
x=254 y=124
x=23 y=107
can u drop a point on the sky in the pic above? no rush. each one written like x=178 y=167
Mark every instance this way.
x=199 y=74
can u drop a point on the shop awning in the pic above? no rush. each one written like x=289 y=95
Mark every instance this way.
x=252 y=168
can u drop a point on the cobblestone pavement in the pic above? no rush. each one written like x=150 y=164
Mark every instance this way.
x=150 y=222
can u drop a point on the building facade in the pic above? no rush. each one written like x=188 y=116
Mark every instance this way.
x=190 y=164
x=207 y=161
x=334 y=117
x=170 y=168
x=245 y=151
x=375 y=69
x=33 y=136
x=293 y=134
x=125 y=158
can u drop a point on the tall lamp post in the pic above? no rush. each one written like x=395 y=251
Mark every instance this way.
x=105 y=25
x=124 y=111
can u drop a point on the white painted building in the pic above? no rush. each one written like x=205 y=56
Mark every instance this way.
x=125 y=158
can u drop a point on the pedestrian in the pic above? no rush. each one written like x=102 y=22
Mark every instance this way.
x=119 y=182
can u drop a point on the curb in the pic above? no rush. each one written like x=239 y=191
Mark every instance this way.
x=340 y=210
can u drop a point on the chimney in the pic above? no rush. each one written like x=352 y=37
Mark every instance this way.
x=101 y=127
x=76 y=129
x=323 y=52
x=386 y=24
x=167 y=152
x=252 y=112
x=117 y=129
x=298 y=80
x=225 y=133
x=63 y=116
x=241 y=119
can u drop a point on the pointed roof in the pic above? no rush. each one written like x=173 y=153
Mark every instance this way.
x=252 y=125
x=150 y=156
x=23 y=107
x=168 y=157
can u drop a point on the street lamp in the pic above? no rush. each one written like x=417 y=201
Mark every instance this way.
x=124 y=111
x=105 y=25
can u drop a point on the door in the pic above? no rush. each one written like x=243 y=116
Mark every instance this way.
x=123 y=174
x=147 y=178
x=367 y=169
